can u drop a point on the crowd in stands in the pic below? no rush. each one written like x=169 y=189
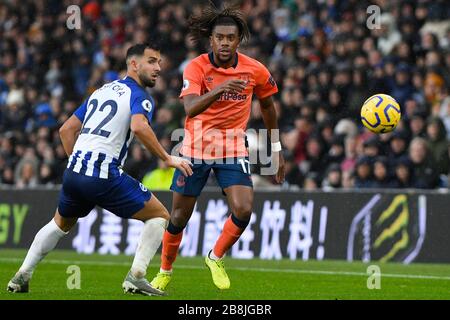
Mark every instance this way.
x=324 y=55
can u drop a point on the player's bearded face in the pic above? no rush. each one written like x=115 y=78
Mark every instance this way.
x=149 y=67
x=224 y=42
x=146 y=79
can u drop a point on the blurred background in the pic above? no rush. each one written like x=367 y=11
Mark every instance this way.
x=324 y=58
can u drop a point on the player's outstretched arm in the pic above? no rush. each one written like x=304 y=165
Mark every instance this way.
x=69 y=133
x=269 y=116
x=195 y=104
x=141 y=128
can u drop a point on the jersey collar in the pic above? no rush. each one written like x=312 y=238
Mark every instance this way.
x=211 y=59
x=128 y=78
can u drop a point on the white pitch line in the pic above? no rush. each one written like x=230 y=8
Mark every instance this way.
x=180 y=266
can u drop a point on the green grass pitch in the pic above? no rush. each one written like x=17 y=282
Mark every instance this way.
x=101 y=278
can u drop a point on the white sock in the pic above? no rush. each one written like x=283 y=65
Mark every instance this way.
x=213 y=256
x=44 y=242
x=165 y=271
x=150 y=240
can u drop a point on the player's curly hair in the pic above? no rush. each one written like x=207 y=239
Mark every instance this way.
x=201 y=26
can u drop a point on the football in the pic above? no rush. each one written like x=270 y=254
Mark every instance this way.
x=380 y=113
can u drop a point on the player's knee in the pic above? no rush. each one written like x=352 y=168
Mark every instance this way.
x=178 y=221
x=178 y=218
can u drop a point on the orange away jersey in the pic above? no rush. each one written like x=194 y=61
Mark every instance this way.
x=219 y=131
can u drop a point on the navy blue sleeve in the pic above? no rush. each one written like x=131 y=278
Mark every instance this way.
x=150 y=114
x=80 y=113
x=142 y=103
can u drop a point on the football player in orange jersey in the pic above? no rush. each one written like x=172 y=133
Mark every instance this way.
x=217 y=95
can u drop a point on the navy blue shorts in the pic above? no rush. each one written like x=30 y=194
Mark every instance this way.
x=227 y=174
x=123 y=195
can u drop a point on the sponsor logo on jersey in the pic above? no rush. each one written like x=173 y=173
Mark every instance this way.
x=232 y=96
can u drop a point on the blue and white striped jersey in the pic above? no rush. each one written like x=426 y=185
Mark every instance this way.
x=102 y=146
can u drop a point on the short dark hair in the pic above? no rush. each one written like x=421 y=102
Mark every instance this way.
x=139 y=49
x=201 y=26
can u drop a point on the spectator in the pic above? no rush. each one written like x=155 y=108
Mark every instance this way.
x=403 y=173
x=326 y=131
x=7 y=177
x=402 y=89
x=293 y=175
x=438 y=144
x=26 y=175
x=363 y=173
x=315 y=157
x=371 y=147
x=336 y=106
x=333 y=178
x=311 y=181
x=389 y=37
x=382 y=174
x=447 y=184
x=397 y=146
x=46 y=174
x=417 y=124
x=303 y=129
x=433 y=87
x=14 y=117
x=358 y=93
x=348 y=179
x=7 y=149
x=425 y=174
x=444 y=114
x=336 y=151
x=349 y=162
x=163 y=124
x=60 y=162
x=44 y=116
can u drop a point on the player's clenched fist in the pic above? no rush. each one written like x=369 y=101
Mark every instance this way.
x=181 y=164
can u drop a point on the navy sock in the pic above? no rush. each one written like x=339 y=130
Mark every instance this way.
x=173 y=229
x=239 y=223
